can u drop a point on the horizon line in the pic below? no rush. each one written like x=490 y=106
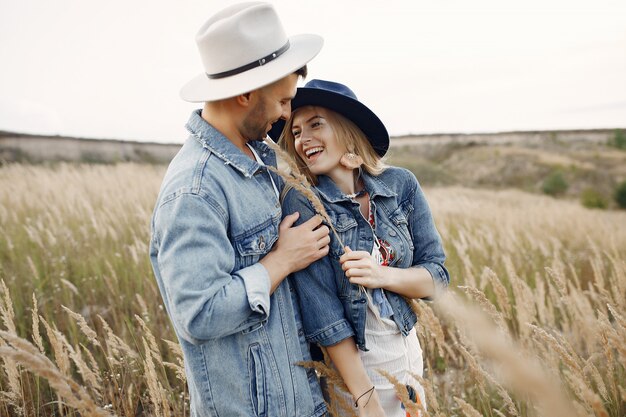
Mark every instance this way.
x=8 y=133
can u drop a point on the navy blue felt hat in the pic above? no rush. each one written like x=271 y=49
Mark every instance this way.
x=340 y=99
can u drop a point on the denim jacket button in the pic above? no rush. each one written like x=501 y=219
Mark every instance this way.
x=392 y=233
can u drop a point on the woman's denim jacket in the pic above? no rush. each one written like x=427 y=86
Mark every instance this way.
x=333 y=309
x=218 y=214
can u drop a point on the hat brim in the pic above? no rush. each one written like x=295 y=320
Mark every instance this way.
x=302 y=49
x=354 y=110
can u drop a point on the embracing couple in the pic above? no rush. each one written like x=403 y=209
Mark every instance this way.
x=248 y=271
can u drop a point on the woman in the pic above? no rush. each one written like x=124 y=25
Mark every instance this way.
x=387 y=246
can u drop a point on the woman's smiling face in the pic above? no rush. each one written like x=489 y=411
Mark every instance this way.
x=315 y=140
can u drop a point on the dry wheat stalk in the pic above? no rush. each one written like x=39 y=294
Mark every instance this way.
x=498 y=412
x=129 y=404
x=524 y=298
x=620 y=320
x=428 y=319
x=6 y=309
x=609 y=339
x=92 y=361
x=143 y=307
x=501 y=293
x=36 y=335
x=482 y=375
x=154 y=388
x=179 y=368
x=487 y=306
x=339 y=403
x=429 y=392
x=467 y=409
x=591 y=369
x=557 y=274
x=179 y=371
x=13 y=393
x=32 y=266
x=11 y=369
x=116 y=347
x=591 y=400
x=540 y=297
x=70 y=286
x=476 y=371
x=154 y=348
x=519 y=372
x=164 y=402
x=29 y=356
x=60 y=354
x=566 y=357
x=89 y=376
x=92 y=336
x=619 y=277
x=412 y=408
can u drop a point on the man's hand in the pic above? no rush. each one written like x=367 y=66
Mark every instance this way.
x=297 y=247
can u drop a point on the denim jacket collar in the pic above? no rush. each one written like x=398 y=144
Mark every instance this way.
x=212 y=139
x=331 y=193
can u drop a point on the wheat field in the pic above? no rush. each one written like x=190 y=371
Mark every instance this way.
x=534 y=322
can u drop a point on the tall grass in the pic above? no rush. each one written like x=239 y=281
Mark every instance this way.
x=535 y=321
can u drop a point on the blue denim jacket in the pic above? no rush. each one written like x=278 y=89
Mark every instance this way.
x=334 y=309
x=216 y=216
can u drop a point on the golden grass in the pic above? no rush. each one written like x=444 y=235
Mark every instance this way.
x=537 y=328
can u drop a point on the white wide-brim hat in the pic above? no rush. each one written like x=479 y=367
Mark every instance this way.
x=243 y=48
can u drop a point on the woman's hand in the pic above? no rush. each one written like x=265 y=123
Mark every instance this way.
x=362 y=269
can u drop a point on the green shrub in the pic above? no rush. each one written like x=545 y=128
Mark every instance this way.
x=620 y=195
x=554 y=184
x=591 y=198
x=619 y=139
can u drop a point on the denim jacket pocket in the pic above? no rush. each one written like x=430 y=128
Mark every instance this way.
x=401 y=223
x=345 y=225
x=256 y=371
x=255 y=243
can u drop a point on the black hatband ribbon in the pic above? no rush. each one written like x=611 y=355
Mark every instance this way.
x=257 y=63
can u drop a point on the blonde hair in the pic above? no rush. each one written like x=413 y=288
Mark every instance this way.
x=347 y=134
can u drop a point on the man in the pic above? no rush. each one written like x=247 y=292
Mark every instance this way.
x=219 y=250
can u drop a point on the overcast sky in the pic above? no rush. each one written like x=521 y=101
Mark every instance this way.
x=113 y=69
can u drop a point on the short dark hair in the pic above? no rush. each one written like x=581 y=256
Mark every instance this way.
x=302 y=72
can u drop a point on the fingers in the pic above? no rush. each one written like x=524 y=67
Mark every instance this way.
x=358 y=263
x=323 y=251
x=360 y=281
x=352 y=255
x=321 y=232
x=324 y=241
x=288 y=221
x=320 y=252
x=313 y=222
x=358 y=272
